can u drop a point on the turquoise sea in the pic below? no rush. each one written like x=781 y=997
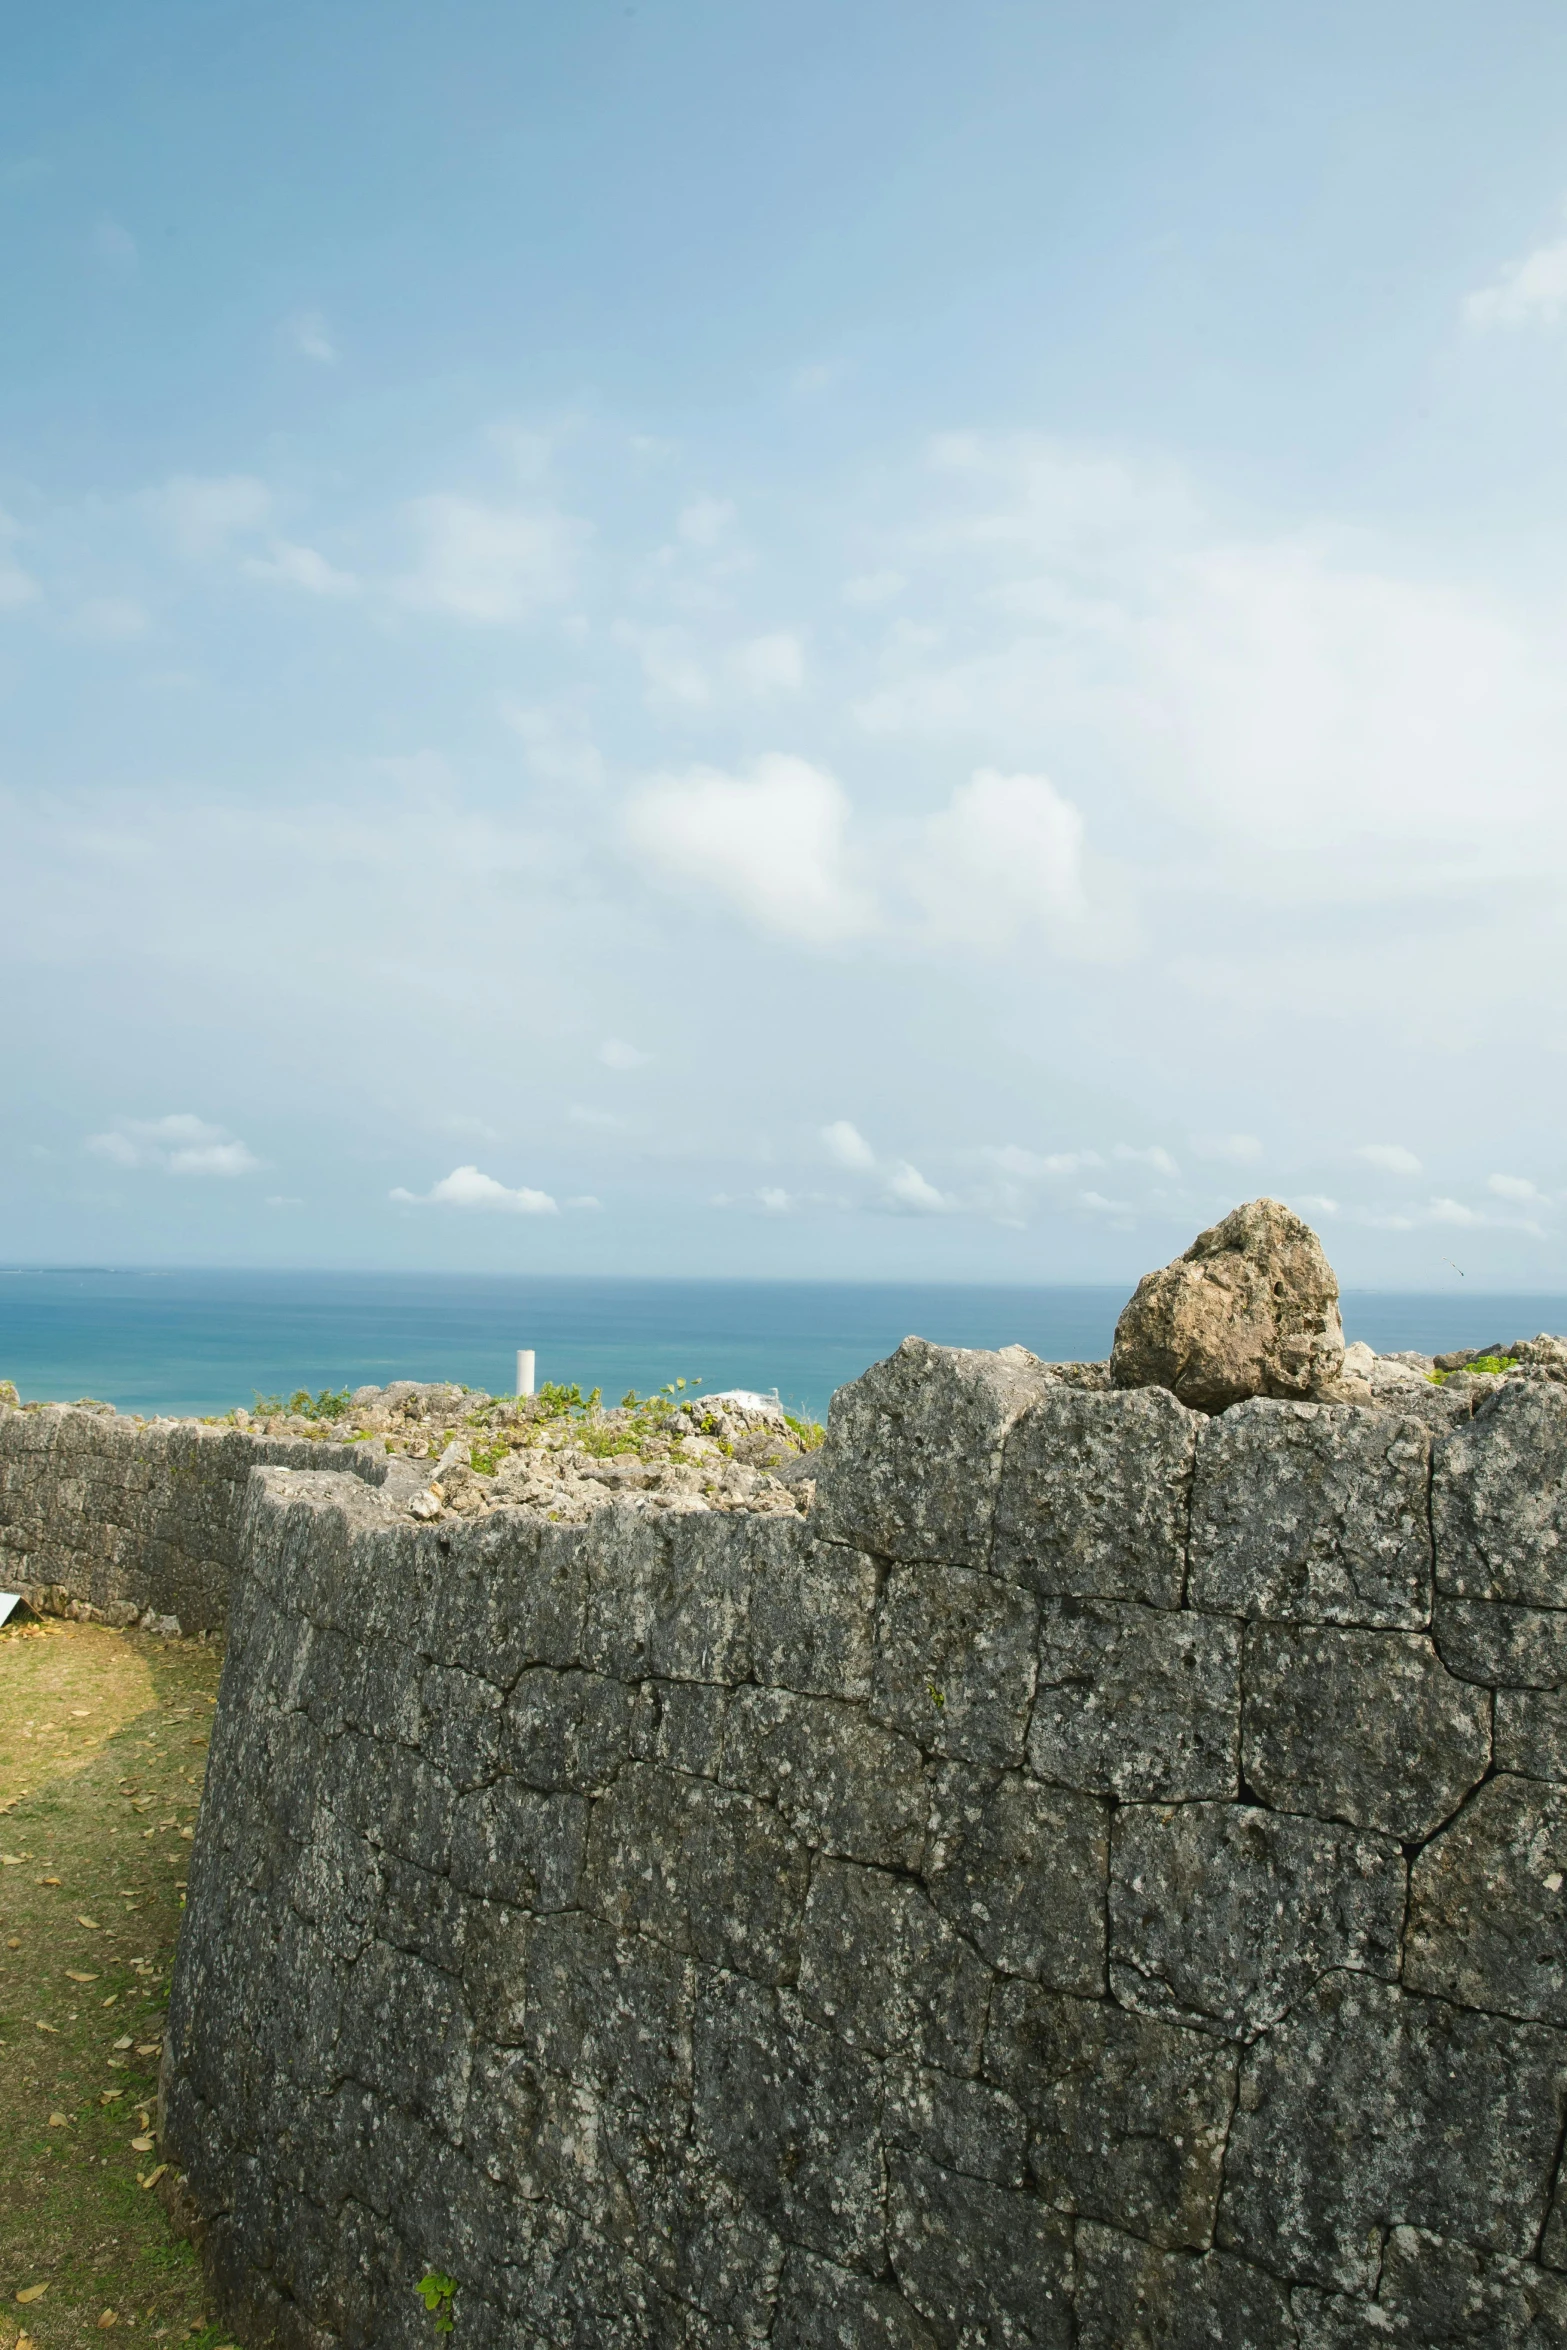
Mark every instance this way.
x=204 y=1341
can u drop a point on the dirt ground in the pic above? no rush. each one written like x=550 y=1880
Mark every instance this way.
x=103 y=1741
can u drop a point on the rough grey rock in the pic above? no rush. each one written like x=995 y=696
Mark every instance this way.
x=1127 y=2117
x=1314 y=1514
x=1486 y=1641
x=1531 y=1733
x=1499 y=1500
x=1367 y=2106
x=1251 y=1308
x=1131 y=2297
x=926 y=1995
x=954 y=1663
x=1365 y=1727
x=1223 y=1916
x=1487 y=1916
x=912 y=1462
x=1020 y=1869
x=1093 y=1496
x=1432 y=2295
x=960 y=2244
x=1139 y=1702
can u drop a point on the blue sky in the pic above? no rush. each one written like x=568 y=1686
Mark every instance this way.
x=701 y=638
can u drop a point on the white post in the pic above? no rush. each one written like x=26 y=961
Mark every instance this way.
x=524 y=1370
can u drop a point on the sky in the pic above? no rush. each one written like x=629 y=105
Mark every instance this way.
x=859 y=641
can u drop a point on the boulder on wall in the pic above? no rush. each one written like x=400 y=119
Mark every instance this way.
x=1250 y=1309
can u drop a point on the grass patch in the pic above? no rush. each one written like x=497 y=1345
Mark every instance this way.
x=103 y=1740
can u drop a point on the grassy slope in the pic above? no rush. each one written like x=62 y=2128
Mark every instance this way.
x=103 y=1741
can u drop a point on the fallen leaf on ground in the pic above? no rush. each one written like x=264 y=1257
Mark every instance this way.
x=57 y=2121
x=125 y=2043
x=12 y=1860
x=142 y=2145
x=41 y=2026
x=74 y=1977
x=152 y=2178
x=108 y=2096
x=14 y=1942
x=48 y=1880
x=33 y=2292
x=110 y=2317
x=91 y=1924
x=150 y=2048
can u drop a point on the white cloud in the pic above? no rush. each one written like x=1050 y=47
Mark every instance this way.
x=1453 y=1211
x=675 y=677
x=1154 y=1156
x=114 y=246
x=1516 y=1187
x=586 y=1203
x=770 y=842
x=466 y=1187
x=557 y=744
x=871 y=588
x=1100 y=1206
x=1390 y=1157
x=705 y=521
x=17 y=587
x=908 y=1189
x=1002 y=864
x=1009 y=1159
x=847 y=1147
x=774 y=1200
x=202 y=513
x=1315 y=1203
x=605 y=1121
x=771 y=665
x=282 y=1199
x=1240 y=1150
x=1530 y=292
x=180 y=1144
x=111 y=620
x=490 y=564
x=615 y=1053
x=302 y=567
x=309 y=335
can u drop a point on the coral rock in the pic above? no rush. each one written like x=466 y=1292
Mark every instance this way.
x=1250 y=1309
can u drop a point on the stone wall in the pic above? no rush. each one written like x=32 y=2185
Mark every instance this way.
x=125 y=1518
x=1099 y=1881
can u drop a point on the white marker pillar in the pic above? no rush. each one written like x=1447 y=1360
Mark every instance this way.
x=524 y=1370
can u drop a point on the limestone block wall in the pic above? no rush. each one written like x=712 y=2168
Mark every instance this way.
x=122 y=1516
x=1099 y=1881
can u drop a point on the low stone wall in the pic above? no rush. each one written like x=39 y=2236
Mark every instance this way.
x=1099 y=1880
x=125 y=1518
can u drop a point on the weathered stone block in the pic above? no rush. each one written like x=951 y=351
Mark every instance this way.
x=1503 y=1647
x=680 y=1724
x=1020 y=1869
x=514 y=1845
x=980 y=2263
x=1251 y=1308
x=822 y=2307
x=1366 y=1727
x=1223 y=1916
x=1432 y=2295
x=1531 y=1733
x=1368 y=2104
x=1131 y=2297
x=1487 y=1916
x=959 y=2124
x=564 y=1732
x=1312 y=1513
x=659 y=1845
x=812 y=1615
x=926 y=1994
x=954 y=1665
x=1499 y=1499
x=912 y=1462
x=1127 y=2117
x=846 y=1785
x=790 y=2118
x=1139 y=1702
x=1093 y=1496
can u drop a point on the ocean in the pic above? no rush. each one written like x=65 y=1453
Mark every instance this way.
x=201 y=1342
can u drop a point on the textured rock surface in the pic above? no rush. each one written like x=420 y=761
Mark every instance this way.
x=1313 y=1513
x=124 y=1518
x=963 y=1915
x=1251 y=1308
